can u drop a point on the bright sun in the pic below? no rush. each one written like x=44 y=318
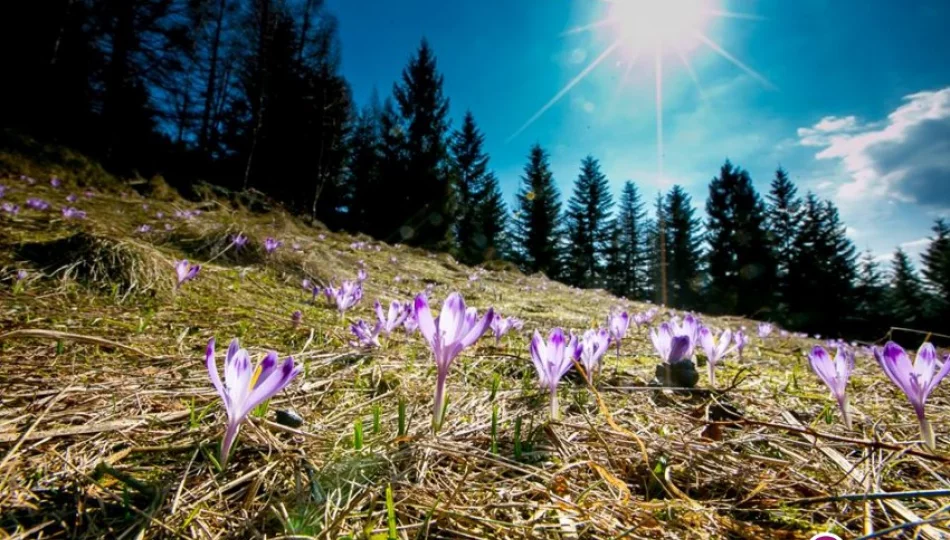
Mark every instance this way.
x=649 y=24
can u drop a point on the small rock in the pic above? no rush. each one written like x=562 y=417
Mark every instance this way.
x=289 y=418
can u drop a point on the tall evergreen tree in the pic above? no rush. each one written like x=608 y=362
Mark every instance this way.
x=740 y=264
x=364 y=168
x=539 y=209
x=906 y=293
x=683 y=250
x=614 y=263
x=936 y=269
x=631 y=271
x=469 y=168
x=491 y=236
x=784 y=220
x=588 y=216
x=821 y=276
x=428 y=213
x=657 y=280
x=870 y=307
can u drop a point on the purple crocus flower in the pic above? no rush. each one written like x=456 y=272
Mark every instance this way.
x=3 y=190
x=715 y=349
x=361 y=275
x=765 y=329
x=245 y=388
x=366 y=336
x=311 y=288
x=159 y=215
x=55 y=181
x=741 y=341
x=456 y=328
x=37 y=204
x=71 y=213
x=144 y=228
x=392 y=319
x=10 y=208
x=271 y=244
x=21 y=275
x=552 y=359
x=186 y=272
x=917 y=380
x=28 y=179
x=617 y=324
x=239 y=240
x=671 y=347
x=835 y=373
x=591 y=349
x=411 y=324
x=346 y=296
x=72 y=197
x=89 y=194
x=296 y=318
x=321 y=237
x=502 y=325
x=168 y=227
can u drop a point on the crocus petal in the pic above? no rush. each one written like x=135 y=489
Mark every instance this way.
x=478 y=329
x=923 y=368
x=213 y=371
x=679 y=347
x=276 y=381
x=452 y=317
x=424 y=319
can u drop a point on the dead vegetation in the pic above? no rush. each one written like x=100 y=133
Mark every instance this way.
x=107 y=417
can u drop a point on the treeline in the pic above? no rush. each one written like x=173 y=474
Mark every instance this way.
x=249 y=94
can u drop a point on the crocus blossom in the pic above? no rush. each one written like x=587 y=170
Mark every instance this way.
x=239 y=240
x=917 y=380
x=411 y=324
x=671 y=347
x=591 y=349
x=502 y=325
x=186 y=272
x=144 y=228
x=391 y=319
x=3 y=190
x=361 y=275
x=765 y=329
x=245 y=388
x=296 y=318
x=55 y=182
x=72 y=197
x=835 y=373
x=10 y=208
x=617 y=324
x=347 y=295
x=21 y=275
x=271 y=244
x=366 y=336
x=72 y=213
x=552 y=359
x=456 y=328
x=37 y=204
x=741 y=341
x=715 y=349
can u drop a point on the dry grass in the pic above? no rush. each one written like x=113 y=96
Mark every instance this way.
x=107 y=417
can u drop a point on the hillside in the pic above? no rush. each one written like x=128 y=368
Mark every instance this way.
x=109 y=423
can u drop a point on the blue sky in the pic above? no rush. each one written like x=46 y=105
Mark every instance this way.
x=855 y=103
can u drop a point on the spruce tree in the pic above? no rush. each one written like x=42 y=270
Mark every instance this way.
x=588 y=217
x=655 y=252
x=683 y=250
x=427 y=218
x=631 y=272
x=906 y=295
x=936 y=269
x=539 y=210
x=364 y=168
x=491 y=213
x=784 y=220
x=391 y=201
x=740 y=264
x=614 y=263
x=870 y=307
x=469 y=168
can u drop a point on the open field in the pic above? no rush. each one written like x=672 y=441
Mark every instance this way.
x=108 y=420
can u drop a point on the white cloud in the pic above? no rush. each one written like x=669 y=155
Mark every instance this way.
x=905 y=157
x=915 y=246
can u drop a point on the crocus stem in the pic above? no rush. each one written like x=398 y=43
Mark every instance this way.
x=554 y=406
x=845 y=411
x=227 y=443
x=712 y=374
x=926 y=432
x=439 y=407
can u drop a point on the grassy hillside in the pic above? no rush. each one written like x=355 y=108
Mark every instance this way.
x=108 y=420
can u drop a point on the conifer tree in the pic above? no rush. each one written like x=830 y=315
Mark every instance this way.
x=784 y=221
x=539 y=210
x=936 y=269
x=469 y=168
x=631 y=270
x=428 y=215
x=491 y=236
x=364 y=168
x=588 y=216
x=614 y=267
x=740 y=264
x=906 y=294
x=870 y=307
x=683 y=250
x=656 y=261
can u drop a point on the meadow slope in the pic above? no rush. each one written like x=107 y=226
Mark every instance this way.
x=108 y=419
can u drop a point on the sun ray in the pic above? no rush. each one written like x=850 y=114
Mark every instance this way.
x=738 y=63
x=586 y=27
x=692 y=74
x=658 y=76
x=567 y=88
x=734 y=15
